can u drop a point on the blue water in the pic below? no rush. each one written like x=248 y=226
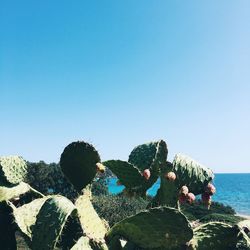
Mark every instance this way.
x=232 y=189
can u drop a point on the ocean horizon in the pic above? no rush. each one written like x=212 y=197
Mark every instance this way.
x=232 y=189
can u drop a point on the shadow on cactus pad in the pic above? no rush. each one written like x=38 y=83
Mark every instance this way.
x=78 y=163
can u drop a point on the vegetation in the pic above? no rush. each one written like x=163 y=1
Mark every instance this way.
x=46 y=220
x=114 y=208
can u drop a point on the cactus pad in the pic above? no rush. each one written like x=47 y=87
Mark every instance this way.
x=8 y=193
x=78 y=163
x=92 y=225
x=143 y=156
x=25 y=216
x=149 y=156
x=218 y=236
x=191 y=173
x=13 y=169
x=128 y=174
x=82 y=243
x=155 y=228
x=50 y=222
x=244 y=224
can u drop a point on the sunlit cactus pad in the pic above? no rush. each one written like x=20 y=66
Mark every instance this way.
x=92 y=225
x=8 y=193
x=82 y=243
x=50 y=222
x=13 y=169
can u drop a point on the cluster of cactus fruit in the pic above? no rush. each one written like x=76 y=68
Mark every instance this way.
x=55 y=222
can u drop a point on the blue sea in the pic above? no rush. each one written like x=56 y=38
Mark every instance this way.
x=231 y=189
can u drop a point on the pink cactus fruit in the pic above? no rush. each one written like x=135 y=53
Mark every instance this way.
x=182 y=198
x=171 y=176
x=146 y=174
x=210 y=189
x=190 y=198
x=184 y=190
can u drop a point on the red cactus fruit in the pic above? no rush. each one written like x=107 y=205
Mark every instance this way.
x=182 y=198
x=146 y=174
x=171 y=176
x=190 y=198
x=184 y=190
x=210 y=189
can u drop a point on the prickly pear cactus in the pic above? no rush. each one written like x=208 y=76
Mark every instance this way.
x=188 y=173
x=50 y=221
x=78 y=163
x=191 y=173
x=93 y=227
x=82 y=243
x=13 y=170
x=167 y=194
x=127 y=173
x=25 y=216
x=245 y=225
x=156 y=228
x=143 y=156
x=15 y=191
x=150 y=157
x=218 y=236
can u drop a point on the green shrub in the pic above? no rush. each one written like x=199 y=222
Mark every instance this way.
x=197 y=210
x=114 y=208
x=100 y=186
x=227 y=218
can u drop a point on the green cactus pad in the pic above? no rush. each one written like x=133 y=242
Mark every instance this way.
x=243 y=241
x=78 y=163
x=150 y=156
x=92 y=225
x=8 y=193
x=191 y=173
x=156 y=228
x=13 y=169
x=128 y=174
x=217 y=236
x=50 y=222
x=167 y=194
x=115 y=244
x=25 y=216
x=143 y=156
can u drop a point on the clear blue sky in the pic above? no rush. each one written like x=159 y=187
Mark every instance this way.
x=121 y=73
